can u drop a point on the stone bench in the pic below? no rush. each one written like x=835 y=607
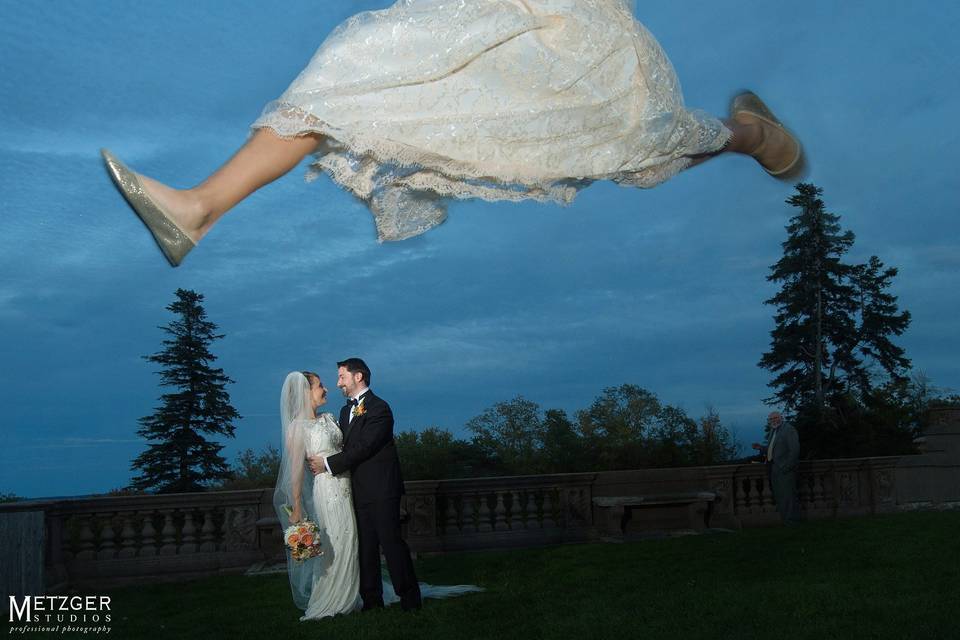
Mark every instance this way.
x=620 y=516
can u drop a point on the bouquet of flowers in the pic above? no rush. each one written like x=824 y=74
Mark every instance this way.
x=302 y=538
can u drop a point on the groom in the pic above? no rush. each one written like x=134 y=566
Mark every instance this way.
x=370 y=455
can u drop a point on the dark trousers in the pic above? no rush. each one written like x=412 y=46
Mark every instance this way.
x=784 y=487
x=378 y=525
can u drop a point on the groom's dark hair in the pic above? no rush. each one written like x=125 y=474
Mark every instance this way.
x=356 y=365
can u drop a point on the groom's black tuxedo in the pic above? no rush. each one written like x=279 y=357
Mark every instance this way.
x=369 y=453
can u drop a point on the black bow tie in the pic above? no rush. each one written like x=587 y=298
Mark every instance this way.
x=352 y=402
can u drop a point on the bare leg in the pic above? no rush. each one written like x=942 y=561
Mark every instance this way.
x=261 y=160
x=769 y=145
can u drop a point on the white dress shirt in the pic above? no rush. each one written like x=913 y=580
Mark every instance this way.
x=356 y=399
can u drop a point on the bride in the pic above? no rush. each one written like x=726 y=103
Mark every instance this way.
x=329 y=583
x=429 y=100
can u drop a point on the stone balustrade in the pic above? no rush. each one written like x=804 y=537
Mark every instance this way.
x=825 y=489
x=499 y=512
x=118 y=540
x=96 y=542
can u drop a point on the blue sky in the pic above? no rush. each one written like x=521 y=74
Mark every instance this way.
x=663 y=288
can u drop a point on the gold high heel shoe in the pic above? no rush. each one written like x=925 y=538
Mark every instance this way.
x=173 y=241
x=747 y=108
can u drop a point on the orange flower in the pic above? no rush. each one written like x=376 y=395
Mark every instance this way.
x=293 y=539
x=307 y=540
x=359 y=410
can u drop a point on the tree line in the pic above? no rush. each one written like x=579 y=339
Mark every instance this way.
x=626 y=427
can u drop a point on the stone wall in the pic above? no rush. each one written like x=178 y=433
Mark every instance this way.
x=99 y=542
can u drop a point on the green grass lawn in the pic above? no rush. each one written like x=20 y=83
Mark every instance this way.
x=895 y=576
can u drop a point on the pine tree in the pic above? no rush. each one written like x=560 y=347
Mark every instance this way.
x=180 y=458
x=879 y=319
x=831 y=347
x=814 y=306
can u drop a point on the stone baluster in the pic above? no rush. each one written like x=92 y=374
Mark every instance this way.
x=486 y=516
x=550 y=508
x=538 y=498
x=208 y=532
x=740 y=487
x=188 y=542
x=128 y=537
x=87 y=549
x=753 y=496
x=509 y=508
x=500 y=521
x=451 y=519
x=766 y=497
x=168 y=534
x=756 y=495
x=819 y=494
x=67 y=550
x=522 y=508
x=468 y=514
x=518 y=510
x=148 y=536
x=107 y=548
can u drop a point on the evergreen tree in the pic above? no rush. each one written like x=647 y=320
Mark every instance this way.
x=831 y=347
x=179 y=457
x=879 y=319
x=814 y=305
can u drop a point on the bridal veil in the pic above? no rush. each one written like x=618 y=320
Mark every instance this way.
x=295 y=477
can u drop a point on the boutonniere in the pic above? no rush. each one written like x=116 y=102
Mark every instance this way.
x=358 y=410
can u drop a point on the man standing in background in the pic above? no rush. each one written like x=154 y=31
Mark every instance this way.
x=783 y=455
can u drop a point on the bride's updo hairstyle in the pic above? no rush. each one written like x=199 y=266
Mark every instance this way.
x=295 y=397
x=311 y=376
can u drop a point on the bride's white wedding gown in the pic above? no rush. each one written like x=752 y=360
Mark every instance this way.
x=494 y=99
x=336 y=573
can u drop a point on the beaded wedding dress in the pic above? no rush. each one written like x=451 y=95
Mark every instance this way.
x=493 y=99
x=336 y=573
x=329 y=583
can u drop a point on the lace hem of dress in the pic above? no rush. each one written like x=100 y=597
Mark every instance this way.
x=407 y=188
